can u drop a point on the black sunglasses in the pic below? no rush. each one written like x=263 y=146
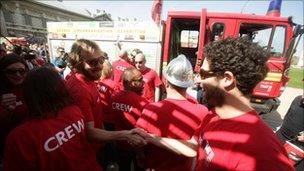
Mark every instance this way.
x=15 y=71
x=96 y=61
x=206 y=74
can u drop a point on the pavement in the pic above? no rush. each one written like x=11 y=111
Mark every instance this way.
x=274 y=119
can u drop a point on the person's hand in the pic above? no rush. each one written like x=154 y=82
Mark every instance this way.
x=135 y=140
x=140 y=132
x=8 y=101
x=136 y=137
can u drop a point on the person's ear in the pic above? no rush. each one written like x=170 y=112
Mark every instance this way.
x=228 y=81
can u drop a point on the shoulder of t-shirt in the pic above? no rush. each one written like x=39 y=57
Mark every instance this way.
x=202 y=107
x=72 y=110
x=117 y=94
x=154 y=106
x=77 y=89
x=81 y=93
x=151 y=71
x=139 y=99
x=21 y=132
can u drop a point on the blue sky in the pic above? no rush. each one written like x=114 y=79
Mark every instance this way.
x=142 y=9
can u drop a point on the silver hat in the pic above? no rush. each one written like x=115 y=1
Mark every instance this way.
x=179 y=72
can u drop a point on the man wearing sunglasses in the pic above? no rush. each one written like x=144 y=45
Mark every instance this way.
x=151 y=79
x=87 y=59
x=59 y=61
x=233 y=137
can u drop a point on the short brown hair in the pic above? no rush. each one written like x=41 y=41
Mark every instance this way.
x=79 y=49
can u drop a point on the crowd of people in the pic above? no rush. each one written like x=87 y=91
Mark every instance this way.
x=79 y=111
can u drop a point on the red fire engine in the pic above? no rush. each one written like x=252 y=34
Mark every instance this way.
x=187 y=32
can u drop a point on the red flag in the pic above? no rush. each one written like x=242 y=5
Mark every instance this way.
x=156 y=10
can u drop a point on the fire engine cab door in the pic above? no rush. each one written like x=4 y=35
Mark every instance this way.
x=212 y=29
x=202 y=34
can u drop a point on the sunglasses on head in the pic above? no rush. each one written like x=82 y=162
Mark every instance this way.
x=15 y=71
x=206 y=74
x=96 y=61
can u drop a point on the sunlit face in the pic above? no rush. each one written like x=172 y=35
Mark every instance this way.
x=92 y=65
x=213 y=95
x=140 y=62
x=16 y=73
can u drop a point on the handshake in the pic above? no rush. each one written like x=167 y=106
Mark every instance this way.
x=138 y=137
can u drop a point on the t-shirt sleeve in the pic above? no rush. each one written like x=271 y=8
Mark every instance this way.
x=157 y=80
x=19 y=154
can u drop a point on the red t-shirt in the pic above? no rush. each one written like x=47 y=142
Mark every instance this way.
x=51 y=144
x=118 y=67
x=126 y=107
x=106 y=88
x=87 y=97
x=171 y=118
x=241 y=143
x=152 y=81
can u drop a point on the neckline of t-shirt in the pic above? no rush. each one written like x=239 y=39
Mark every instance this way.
x=251 y=112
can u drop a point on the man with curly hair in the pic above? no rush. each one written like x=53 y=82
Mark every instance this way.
x=233 y=137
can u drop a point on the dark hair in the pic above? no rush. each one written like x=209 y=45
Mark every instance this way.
x=7 y=60
x=246 y=60
x=45 y=93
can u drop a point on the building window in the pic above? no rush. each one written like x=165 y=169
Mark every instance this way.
x=278 y=42
x=8 y=16
x=271 y=38
x=27 y=19
x=37 y=22
x=189 y=38
x=217 y=31
x=43 y=22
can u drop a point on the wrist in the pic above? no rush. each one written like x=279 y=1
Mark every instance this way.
x=125 y=135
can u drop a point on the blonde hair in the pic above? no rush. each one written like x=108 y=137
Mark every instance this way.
x=81 y=48
x=107 y=69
